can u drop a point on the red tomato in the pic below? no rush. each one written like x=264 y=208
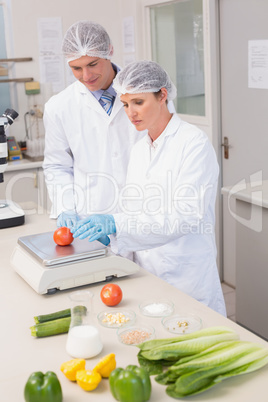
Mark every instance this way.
x=63 y=236
x=111 y=294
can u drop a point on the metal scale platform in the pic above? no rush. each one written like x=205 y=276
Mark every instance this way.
x=47 y=267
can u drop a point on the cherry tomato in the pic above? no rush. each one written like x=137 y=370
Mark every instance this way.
x=63 y=236
x=111 y=294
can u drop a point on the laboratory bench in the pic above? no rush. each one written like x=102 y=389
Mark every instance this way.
x=23 y=164
x=22 y=354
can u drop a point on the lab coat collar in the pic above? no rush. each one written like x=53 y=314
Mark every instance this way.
x=172 y=126
x=170 y=129
x=94 y=104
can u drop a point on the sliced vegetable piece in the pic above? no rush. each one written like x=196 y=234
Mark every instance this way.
x=70 y=368
x=58 y=314
x=88 y=379
x=106 y=365
x=55 y=327
x=52 y=316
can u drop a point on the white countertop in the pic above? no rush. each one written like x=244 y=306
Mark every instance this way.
x=22 y=164
x=254 y=193
x=21 y=354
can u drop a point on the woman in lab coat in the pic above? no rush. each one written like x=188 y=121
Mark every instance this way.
x=168 y=204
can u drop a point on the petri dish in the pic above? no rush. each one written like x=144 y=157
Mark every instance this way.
x=116 y=318
x=134 y=335
x=182 y=324
x=156 y=308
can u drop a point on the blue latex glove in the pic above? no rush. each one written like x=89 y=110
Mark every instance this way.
x=68 y=219
x=95 y=227
x=104 y=240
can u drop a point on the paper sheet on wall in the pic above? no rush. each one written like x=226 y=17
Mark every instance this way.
x=50 y=57
x=52 y=71
x=128 y=35
x=258 y=64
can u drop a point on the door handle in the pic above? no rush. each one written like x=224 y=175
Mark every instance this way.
x=226 y=147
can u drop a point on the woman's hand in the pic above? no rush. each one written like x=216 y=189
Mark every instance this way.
x=95 y=227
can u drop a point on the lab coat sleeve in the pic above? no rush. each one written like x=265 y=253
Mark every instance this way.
x=58 y=166
x=193 y=202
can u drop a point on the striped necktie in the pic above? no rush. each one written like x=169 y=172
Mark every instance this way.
x=106 y=102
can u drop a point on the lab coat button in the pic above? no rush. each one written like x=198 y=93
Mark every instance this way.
x=148 y=176
x=115 y=154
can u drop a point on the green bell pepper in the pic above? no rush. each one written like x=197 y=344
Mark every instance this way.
x=132 y=384
x=43 y=388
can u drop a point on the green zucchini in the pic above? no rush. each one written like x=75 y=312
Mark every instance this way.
x=53 y=316
x=58 y=314
x=48 y=328
x=56 y=323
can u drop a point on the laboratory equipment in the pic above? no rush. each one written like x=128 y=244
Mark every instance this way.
x=10 y=213
x=83 y=341
x=14 y=151
x=47 y=267
x=35 y=134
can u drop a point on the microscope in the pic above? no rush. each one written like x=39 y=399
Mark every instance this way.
x=10 y=213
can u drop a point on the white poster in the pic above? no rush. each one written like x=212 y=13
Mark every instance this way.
x=50 y=54
x=258 y=64
x=128 y=35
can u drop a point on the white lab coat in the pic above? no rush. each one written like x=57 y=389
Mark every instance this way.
x=168 y=217
x=86 y=152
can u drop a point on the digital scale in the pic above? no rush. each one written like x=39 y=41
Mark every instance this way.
x=47 y=267
x=11 y=214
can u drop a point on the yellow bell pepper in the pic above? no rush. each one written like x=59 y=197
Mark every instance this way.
x=70 y=368
x=88 y=379
x=106 y=365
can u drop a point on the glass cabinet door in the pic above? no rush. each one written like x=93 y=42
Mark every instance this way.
x=178 y=46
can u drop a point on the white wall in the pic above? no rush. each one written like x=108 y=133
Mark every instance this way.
x=109 y=13
x=24 y=16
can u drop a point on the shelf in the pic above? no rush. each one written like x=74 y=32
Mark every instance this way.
x=16 y=59
x=17 y=80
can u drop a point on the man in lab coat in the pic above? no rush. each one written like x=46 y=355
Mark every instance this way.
x=88 y=135
x=168 y=214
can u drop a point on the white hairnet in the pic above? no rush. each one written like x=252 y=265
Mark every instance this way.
x=143 y=76
x=86 y=38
